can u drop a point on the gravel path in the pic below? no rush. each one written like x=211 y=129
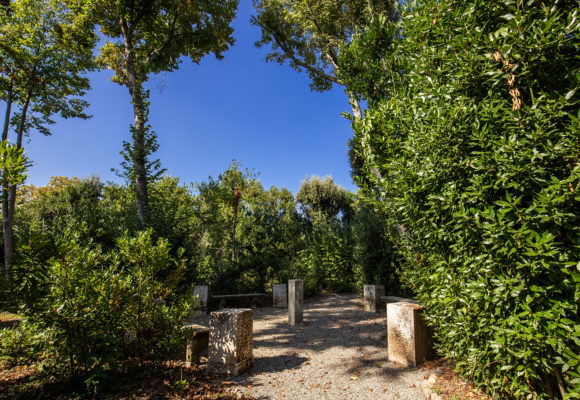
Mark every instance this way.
x=339 y=352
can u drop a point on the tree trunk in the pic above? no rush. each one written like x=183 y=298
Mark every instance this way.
x=234 y=239
x=6 y=227
x=139 y=154
x=9 y=199
x=7 y=115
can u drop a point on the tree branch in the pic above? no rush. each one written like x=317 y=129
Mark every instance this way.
x=155 y=52
x=290 y=54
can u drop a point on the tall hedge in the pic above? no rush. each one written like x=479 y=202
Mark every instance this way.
x=474 y=128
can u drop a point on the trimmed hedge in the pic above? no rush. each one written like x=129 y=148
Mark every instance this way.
x=474 y=129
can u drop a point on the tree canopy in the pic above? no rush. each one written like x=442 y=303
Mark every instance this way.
x=149 y=37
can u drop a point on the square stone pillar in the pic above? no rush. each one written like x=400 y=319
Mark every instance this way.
x=409 y=340
x=280 y=297
x=200 y=297
x=372 y=296
x=295 y=301
x=230 y=341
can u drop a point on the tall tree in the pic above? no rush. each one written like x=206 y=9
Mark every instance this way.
x=149 y=37
x=45 y=49
x=322 y=200
x=310 y=35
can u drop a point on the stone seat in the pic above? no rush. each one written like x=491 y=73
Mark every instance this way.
x=250 y=297
x=197 y=342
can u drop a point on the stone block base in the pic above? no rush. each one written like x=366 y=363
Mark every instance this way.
x=279 y=296
x=409 y=340
x=197 y=343
x=372 y=297
x=230 y=341
x=295 y=301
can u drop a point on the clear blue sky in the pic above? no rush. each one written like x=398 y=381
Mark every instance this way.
x=261 y=114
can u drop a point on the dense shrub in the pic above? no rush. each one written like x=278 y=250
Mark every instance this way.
x=102 y=312
x=373 y=256
x=474 y=133
x=318 y=236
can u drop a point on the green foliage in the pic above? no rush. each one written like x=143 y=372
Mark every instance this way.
x=13 y=164
x=21 y=345
x=374 y=258
x=475 y=134
x=102 y=310
x=267 y=231
x=132 y=152
x=323 y=200
x=326 y=260
x=74 y=204
x=45 y=50
x=310 y=34
x=150 y=37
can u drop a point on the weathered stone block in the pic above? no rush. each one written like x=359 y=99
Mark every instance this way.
x=295 y=301
x=409 y=340
x=372 y=295
x=280 y=296
x=230 y=341
x=394 y=299
x=200 y=297
x=197 y=342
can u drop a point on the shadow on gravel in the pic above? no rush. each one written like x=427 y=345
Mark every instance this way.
x=330 y=322
x=277 y=363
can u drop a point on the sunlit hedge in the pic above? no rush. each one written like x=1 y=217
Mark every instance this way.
x=475 y=132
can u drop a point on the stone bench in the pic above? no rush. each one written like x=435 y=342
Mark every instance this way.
x=252 y=298
x=197 y=342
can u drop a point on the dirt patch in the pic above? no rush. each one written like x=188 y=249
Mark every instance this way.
x=8 y=320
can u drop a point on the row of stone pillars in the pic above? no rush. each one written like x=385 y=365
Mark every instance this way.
x=293 y=299
x=230 y=349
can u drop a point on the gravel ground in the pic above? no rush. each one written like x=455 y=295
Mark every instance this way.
x=339 y=352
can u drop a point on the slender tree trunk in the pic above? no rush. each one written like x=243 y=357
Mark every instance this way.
x=234 y=239
x=9 y=198
x=139 y=155
x=8 y=113
x=5 y=191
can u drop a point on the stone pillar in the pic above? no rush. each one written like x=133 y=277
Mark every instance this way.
x=372 y=296
x=230 y=341
x=409 y=339
x=295 y=301
x=200 y=296
x=280 y=297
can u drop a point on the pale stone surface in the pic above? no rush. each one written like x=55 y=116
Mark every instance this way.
x=372 y=296
x=230 y=341
x=394 y=299
x=200 y=295
x=295 y=301
x=280 y=296
x=409 y=340
x=197 y=342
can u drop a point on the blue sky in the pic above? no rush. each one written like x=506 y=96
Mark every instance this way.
x=261 y=114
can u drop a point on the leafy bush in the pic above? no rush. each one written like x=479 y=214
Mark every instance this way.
x=373 y=256
x=23 y=344
x=326 y=260
x=474 y=133
x=104 y=310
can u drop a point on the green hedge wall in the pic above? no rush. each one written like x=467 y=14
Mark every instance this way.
x=475 y=133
